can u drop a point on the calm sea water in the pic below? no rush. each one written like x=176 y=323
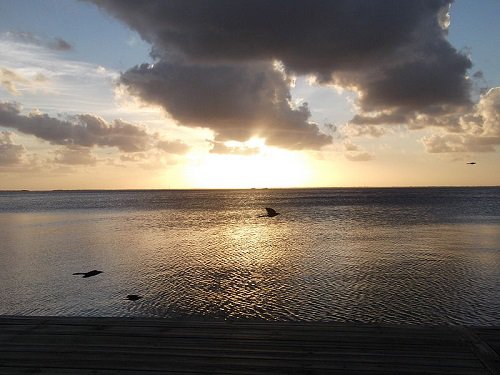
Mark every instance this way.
x=429 y=255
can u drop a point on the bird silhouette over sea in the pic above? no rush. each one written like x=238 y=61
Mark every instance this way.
x=133 y=297
x=471 y=162
x=88 y=274
x=270 y=212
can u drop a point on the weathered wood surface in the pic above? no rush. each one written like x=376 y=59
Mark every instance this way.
x=64 y=345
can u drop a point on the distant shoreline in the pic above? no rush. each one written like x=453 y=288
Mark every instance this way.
x=245 y=189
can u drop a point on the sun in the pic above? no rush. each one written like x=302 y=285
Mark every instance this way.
x=266 y=167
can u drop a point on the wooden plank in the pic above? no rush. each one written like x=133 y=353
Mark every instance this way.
x=241 y=353
x=211 y=339
x=76 y=371
x=119 y=344
x=73 y=371
x=367 y=343
x=252 y=347
x=226 y=332
x=110 y=353
x=160 y=323
x=220 y=343
x=275 y=326
x=257 y=327
x=50 y=371
x=482 y=350
x=231 y=366
x=214 y=364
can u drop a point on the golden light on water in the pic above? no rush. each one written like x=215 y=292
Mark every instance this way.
x=268 y=167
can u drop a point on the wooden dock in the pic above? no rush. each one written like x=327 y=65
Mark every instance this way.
x=62 y=345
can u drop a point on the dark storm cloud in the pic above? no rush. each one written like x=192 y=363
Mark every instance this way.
x=236 y=101
x=85 y=130
x=418 y=85
x=399 y=94
x=307 y=35
x=394 y=53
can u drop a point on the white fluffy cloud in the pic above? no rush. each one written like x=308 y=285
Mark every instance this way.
x=475 y=131
x=355 y=152
x=10 y=153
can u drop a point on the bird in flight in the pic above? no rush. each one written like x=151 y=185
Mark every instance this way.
x=133 y=297
x=471 y=162
x=88 y=274
x=271 y=212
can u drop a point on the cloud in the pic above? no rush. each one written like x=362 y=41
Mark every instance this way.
x=237 y=149
x=75 y=156
x=10 y=153
x=66 y=85
x=475 y=131
x=394 y=54
x=135 y=157
x=55 y=44
x=9 y=80
x=151 y=160
x=358 y=156
x=353 y=130
x=308 y=36
x=355 y=152
x=81 y=132
x=440 y=143
x=434 y=84
x=85 y=130
x=59 y=44
x=235 y=101
x=173 y=147
x=15 y=83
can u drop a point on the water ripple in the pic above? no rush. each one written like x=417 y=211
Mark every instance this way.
x=378 y=256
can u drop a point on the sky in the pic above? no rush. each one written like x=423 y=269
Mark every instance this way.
x=176 y=94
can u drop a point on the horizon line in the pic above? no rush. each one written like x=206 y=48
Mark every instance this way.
x=255 y=188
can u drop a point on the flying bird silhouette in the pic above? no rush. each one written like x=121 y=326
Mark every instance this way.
x=88 y=274
x=133 y=297
x=471 y=162
x=270 y=212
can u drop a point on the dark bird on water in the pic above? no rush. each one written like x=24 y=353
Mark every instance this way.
x=133 y=297
x=270 y=212
x=471 y=162
x=88 y=274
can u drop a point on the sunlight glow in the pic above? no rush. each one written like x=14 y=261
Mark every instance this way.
x=269 y=168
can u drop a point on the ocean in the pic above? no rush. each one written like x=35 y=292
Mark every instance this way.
x=393 y=255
